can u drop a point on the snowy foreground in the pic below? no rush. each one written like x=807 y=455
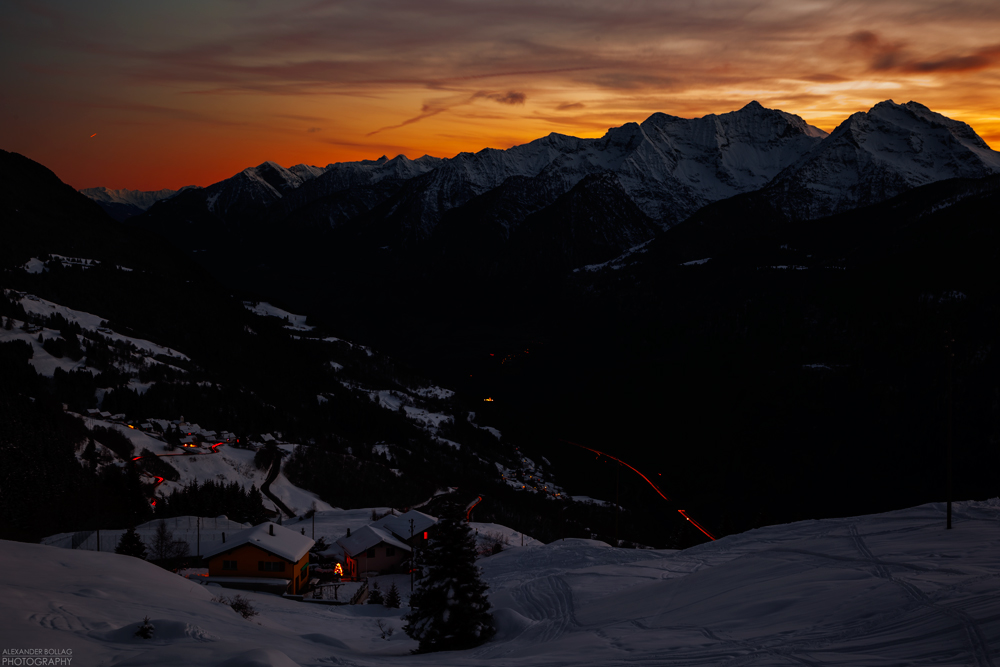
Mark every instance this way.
x=886 y=589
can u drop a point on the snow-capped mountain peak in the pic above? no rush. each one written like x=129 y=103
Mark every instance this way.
x=877 y=154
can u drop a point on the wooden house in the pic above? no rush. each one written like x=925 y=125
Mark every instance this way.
x=372 y=550
x=266 y=554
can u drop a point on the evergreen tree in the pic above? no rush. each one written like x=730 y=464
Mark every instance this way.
x=375 y=595
x=392 y=600
x=131 y=545
x=449 y=609
x=255 y=513
x=90 y=454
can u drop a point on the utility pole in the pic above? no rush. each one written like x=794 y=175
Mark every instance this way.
x=314 y=527
x=198 y=526
x=618 y=507
x=97 y=509
x=951 y=359
x=413 y=556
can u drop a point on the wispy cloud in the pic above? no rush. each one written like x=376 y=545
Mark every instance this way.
x=511 y=97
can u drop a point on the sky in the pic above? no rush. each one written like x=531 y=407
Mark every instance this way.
x=146 y=95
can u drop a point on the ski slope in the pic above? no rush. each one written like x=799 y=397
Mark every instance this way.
x=888 y=589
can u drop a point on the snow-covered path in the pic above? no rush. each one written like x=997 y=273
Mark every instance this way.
x=889 y=589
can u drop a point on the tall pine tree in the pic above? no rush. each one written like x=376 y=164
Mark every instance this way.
x=449 y=609
x=131 y=544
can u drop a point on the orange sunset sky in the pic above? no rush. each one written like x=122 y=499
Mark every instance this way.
x=193 y=91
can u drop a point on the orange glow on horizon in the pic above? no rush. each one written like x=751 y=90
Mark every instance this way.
x=193 y=98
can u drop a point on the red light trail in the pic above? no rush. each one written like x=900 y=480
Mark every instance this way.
x=468 y=510
x=648 y=481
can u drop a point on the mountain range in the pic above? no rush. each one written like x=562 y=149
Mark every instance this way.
x=668 y=167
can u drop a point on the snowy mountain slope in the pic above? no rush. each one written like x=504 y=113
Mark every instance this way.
x=362 y=184
x=670 y=166
x=682 y=164
x=594 y=220
x=43 y=308
x=523 y=227
x=236 y=200
x=123 y=204
x=141 y=199
x=875 y=155
x=885 y=589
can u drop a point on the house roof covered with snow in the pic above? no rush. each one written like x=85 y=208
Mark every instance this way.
x=270 y=537
x=367 y=537
x=400 y=525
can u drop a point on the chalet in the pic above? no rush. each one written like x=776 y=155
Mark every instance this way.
x=413 y=535
x=262 y=557
x=372 y=549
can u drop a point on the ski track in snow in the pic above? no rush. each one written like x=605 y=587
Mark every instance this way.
x=977 y=642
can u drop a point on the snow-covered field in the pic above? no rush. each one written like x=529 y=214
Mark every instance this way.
x=889 y=589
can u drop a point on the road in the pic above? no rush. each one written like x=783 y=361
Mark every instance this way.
x=265 y=488
x=683 y=513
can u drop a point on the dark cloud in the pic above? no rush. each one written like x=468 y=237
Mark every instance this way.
x=312 y=130
x=436 y=107
x=627 y=80
x=569 y=106
x=511 y=97
x=982 y=59
x=898 y=56
x=881 y=54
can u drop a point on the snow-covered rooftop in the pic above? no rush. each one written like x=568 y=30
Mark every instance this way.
x=367 y=537
x=283 y=542
x=400 y=525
